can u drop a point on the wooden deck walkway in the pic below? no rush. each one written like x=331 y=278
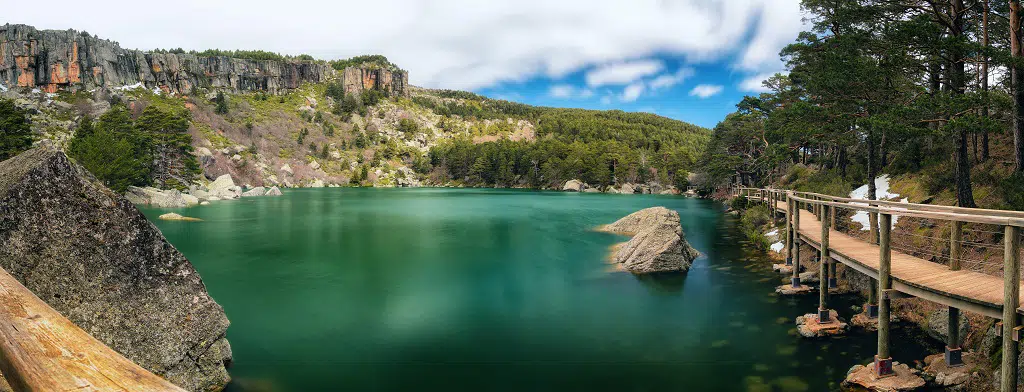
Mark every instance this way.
x=971 y=291
x=41 y=350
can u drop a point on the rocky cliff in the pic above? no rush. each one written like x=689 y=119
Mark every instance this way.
x=92 y=256
x=54 y=59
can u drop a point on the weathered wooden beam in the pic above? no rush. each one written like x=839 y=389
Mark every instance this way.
x=1011 y=300
x=883 y=360
x=823 y=313
x=41 y=350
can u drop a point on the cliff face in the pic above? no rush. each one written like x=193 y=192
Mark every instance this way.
x=92 y=256
x=53 y=59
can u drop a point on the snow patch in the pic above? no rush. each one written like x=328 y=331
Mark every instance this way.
x=882 y=191
x=777 y=247
x=129 y=87
x=36 y=91
x=3 y=89
x=157 y=91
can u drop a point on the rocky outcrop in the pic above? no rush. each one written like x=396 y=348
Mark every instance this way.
x=54 y=59
x=358 y=79
x=170 y=198
x=658 y=243
x=92 y=256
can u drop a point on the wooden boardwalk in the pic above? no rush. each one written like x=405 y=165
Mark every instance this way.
x=41 y=350
x=968 y=290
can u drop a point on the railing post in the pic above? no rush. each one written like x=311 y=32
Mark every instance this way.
x=823 y=312
x=1011 y=300
x=952 y=353
x=795 y=208
x=789 y=228
x=883 y=361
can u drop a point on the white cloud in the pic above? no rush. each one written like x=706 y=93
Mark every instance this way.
x=669 y=80
x=565 y=91
x=705 y=91
x=455 y=44
x=632 y=92
x=778 y=25
x=561 y=91
x=754 y=84
x=621 y=73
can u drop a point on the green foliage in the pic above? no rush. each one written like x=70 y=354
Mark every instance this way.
x=408 y=127
x=754 y=222
x=248 y=54
x=371 y=97
x=365 y=61
x=302 y=136
x=15 y=134
x=1012 y=189
x=112 y=151
x=222 y=103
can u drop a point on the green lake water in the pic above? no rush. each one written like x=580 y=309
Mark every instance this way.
x=451 y=290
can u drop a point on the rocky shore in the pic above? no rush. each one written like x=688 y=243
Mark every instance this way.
x=658 y=243
x=92 y=256
x=652 y=188
x=223 y=188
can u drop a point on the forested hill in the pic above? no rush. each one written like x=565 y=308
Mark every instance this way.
x=172 y=122
x=920 y=90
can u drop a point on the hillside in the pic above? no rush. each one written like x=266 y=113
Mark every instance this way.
x=268 y=119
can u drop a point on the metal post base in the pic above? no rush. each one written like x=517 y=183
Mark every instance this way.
x=796 y=282
x=953 y=357
x=883 y=367
x=833 y=283
x=871 y=310
x=824 y=316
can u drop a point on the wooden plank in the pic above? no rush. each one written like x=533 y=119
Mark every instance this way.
x=40 y=350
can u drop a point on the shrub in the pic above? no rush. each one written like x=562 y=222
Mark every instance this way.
x=111 y=152
x=222 y=103
x=15 y=134
x=1012 y=189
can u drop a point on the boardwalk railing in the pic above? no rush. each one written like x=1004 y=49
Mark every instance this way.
x=41 y=350
x=810 y=220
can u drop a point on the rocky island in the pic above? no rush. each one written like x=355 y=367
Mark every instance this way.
x=658 y=243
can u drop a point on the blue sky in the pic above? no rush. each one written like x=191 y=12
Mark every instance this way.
x=691 y=60
x=700 y=94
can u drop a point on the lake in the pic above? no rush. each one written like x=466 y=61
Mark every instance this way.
x=509 y=290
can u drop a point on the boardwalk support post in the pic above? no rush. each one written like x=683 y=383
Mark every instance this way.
x=796 y=243
x=1011 y=292
x=883 y=361
x=823 y=312
x=952 y=353
x=789 y=229
x=871 y=308
x=833 y=281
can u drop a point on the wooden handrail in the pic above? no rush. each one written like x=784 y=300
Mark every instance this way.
x=930 y=211
x=984 y=219
x=41 y=350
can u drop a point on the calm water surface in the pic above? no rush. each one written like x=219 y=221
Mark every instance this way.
x=436 y=289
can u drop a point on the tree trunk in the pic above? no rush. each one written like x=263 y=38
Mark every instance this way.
x=984 y=79
x=957 y=79
x=1016 y=73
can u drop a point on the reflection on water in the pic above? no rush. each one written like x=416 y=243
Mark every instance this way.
x=436 y=289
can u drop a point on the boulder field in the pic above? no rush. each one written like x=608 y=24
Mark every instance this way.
x=658 y=243
x=92 y=256
x=223 y=188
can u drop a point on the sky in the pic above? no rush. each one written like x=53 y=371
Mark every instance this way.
x=691 y=60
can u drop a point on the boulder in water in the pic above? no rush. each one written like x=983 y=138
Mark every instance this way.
x=658 y=243
x=93 y=257
x=573 y=186
x=274 y=191
x=257 y=191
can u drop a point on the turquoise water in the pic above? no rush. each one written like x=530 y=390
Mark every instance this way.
x=438 y=289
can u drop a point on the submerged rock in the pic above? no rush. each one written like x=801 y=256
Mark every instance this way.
x=658 y=243
x=178 y=217
x=92 y=256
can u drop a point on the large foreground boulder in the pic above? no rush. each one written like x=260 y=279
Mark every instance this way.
x=658 y=243
x=93 y=257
